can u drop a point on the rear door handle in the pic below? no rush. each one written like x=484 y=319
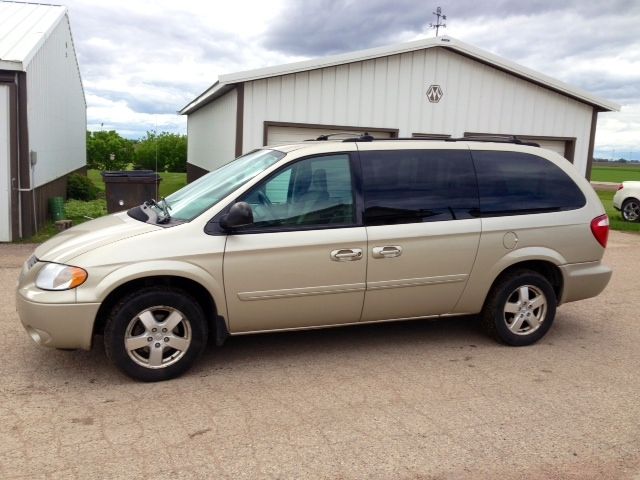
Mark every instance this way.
x=388 y=251
x=346 y=254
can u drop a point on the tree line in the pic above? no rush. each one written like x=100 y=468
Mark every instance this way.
x=164 y=152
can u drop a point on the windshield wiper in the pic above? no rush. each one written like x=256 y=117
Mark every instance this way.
x=164 y=207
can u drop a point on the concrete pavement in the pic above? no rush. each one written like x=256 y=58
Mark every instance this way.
x=414 y=400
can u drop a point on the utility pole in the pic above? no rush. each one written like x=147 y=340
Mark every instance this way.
x=439 y=15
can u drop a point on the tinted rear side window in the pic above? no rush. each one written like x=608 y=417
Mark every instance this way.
x=514 y=183
x=413 y=186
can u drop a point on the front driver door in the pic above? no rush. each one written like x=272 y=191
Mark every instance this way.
x=302 y=263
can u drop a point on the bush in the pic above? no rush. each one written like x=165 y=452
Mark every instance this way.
x=80 y=187
x=76 y=209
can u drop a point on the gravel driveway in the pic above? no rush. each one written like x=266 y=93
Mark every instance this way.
x=418 y=400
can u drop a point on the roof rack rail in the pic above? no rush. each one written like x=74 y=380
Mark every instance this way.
x=326 y=136
x=488 y=138
x=497 y=139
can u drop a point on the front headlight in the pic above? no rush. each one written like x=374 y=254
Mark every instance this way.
x=60 y=277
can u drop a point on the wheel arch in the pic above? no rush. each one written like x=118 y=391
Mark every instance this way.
x=546 y=268
x=194 y=288
x=481 y=281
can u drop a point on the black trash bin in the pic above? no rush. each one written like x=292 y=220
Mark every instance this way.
x=129 y=189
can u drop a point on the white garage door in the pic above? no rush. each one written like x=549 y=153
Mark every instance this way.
x=5 y=191
x=278 y=134
x=557 y=146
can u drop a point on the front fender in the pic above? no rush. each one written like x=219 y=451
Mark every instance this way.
x=128 y=272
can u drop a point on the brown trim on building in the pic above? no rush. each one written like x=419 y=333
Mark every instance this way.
x=569 y=142
x=267 y=124
x=42 y=194
x=26 y=202
x=194 y=172
x=239 y=118
x=431 y=136
x=592 y=143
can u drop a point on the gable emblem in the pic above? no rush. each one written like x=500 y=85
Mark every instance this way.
x=434 y=93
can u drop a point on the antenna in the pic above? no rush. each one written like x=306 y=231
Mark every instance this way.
x=155 y=141
x=439 y=15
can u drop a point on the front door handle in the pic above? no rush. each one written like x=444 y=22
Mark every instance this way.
x=388 y=251
x=346 y=254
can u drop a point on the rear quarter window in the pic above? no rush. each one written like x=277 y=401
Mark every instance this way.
x=515 y=183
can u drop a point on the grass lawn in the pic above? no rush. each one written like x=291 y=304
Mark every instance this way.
x=79 y=212
x=615 y=219
x=169 y=183
x=615 y=174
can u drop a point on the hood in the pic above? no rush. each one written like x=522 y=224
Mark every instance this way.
x=91 y=235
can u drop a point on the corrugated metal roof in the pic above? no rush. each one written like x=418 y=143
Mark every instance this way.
x=23 y=29
x=225 y=81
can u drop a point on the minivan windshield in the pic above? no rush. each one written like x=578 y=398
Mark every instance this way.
x=200 y=195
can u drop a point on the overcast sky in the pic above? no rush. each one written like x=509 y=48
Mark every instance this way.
x=142 y=60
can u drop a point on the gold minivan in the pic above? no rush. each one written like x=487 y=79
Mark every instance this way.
x=320 y=234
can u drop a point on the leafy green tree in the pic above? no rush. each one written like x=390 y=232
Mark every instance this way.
x=108 y=151
x=169 y=148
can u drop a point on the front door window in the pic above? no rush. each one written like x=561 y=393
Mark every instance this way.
x=316 y=191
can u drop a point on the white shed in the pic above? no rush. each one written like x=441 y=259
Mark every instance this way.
x=438 y=87
x=43 y=119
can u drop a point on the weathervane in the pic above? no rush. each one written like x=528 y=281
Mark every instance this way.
x=438 y=13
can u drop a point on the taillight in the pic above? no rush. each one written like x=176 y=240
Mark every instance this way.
x=620 y=187
x=600 y=229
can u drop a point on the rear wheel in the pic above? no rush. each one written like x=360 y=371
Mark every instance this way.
x=520 y=308
x=155 y=334
x=631 y=210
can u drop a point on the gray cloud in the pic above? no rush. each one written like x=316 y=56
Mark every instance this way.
x=143 y=60
x=333 y=26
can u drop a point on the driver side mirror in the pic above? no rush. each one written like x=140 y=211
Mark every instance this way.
x=240 y=215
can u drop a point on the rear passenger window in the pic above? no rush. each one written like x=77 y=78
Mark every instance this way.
x=514 y=183
x=413 y=186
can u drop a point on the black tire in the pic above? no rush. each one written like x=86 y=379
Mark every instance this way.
x=630 y=210
x=160 y=308
x=524 y=323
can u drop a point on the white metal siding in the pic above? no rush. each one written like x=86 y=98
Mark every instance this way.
x=390 y=92
x=5 y=183
x=56 y=108
x=553 y=145
x=211 y=131
x=278 y=134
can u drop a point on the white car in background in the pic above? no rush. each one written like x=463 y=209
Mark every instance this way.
x=627 y=201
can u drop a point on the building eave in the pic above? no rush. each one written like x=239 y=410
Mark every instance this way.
x=226 y=82
x=11 y=66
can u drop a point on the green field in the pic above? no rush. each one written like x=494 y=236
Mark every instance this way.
x=169 y=183
x=614 y=174
x=615 y=220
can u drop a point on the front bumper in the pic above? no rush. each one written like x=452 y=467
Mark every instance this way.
x=583 y=280
x=58 y=325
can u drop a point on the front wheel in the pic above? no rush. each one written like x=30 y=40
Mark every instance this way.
x=631 y=210
x=155 y=334
x=520 y=308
